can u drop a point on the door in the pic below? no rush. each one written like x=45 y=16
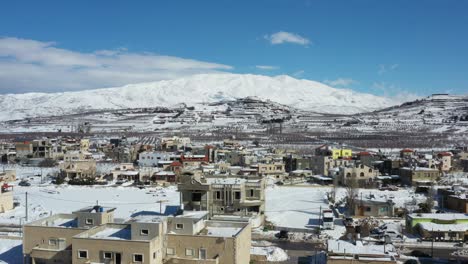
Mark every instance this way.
x=202 y=253
x=118 y=258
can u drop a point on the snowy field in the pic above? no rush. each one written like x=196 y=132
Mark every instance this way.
x=296 y=207
x=49 y=199
x=299 y=206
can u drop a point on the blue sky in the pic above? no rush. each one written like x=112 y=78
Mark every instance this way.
x=383 y=47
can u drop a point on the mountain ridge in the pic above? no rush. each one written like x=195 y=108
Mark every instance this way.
x=201 y=88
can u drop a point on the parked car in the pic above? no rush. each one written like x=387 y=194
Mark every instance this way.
x=24 y=183
x=393 y=235
x=283 y=234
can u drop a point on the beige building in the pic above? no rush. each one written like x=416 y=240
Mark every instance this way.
x=49 y=240
x=224 y=197
x=325 y=165
x=125 y=171
x=419 y=176
x=77 y=164
x=188 y=238
x=364 y=175
x=6 y=197
x=7 y=176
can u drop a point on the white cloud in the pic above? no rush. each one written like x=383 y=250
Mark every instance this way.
x=343 y=82
x=266 y=67
x=387 y=68
x=287 y=37
x=30 y=65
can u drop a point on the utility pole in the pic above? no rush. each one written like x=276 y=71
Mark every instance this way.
x=432 y=243
x=26 y=206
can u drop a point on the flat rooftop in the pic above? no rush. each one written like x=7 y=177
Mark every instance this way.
x=193 y=214
x=222 y=231
x=59 y=220
x=225 y=180
x=115 y=232
x=455 y=216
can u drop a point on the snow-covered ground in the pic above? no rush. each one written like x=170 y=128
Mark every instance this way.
x=295 y=207
x=271 y=253
x=299 y=207
x=49 y=199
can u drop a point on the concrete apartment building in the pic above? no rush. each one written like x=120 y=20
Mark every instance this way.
x=77 y=164
x=88 y=236
x=418 y=176
x=223 y=197
x=49 y=240
x=363 y=174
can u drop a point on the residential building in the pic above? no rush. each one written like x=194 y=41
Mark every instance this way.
x=224 y=197
x=49 y=240
x=374 y=206
x=419 y=176
x=362 y=174
x=77 y=164
x=125 y=171
x=7 y=176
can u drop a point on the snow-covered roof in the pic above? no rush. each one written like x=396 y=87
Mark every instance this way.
x=222 y=231
x=346 y=247
x=116 y=233
x=453 y=216
x=225 y=181
x=429 y=226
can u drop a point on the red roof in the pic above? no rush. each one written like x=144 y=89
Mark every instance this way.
x=445 y=154
x=176 y=164
x=364 y=153
x=407 y=150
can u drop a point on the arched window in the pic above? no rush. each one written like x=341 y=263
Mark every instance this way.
x=361 y=174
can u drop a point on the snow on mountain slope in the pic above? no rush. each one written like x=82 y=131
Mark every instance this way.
x=203 y=88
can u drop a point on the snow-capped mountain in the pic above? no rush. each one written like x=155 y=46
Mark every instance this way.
x=203 y=88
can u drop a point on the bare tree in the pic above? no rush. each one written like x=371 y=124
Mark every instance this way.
x=352 y=192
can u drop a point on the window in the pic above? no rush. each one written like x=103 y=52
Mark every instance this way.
x=137 y=257
x=368 y=209
x=154 y=255
x=83 y=254
x=218 y=195
x=188 y=252
x=179 y=226
x=170 y=251
x=53 y=241
x=370 y=170
x=361 y=174
x=89 y=221
x=237 y=195
x=252 y=192
x=202 y=253
x=144 y=232
x=107 y=255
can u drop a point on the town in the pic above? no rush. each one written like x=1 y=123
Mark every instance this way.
x=173 y=199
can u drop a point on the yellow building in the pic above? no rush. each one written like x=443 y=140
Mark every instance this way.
x=341 y=153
